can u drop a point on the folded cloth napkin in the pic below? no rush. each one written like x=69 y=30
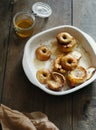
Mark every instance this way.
x=15 y=120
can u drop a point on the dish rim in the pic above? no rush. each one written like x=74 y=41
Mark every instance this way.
x=58 y=93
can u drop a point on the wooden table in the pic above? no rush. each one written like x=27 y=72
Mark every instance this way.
x=76 y=111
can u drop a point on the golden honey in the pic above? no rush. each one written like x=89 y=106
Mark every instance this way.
x=25 y=30
x=24 y=24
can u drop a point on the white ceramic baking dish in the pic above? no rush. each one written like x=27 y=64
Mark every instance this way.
x=31 y=66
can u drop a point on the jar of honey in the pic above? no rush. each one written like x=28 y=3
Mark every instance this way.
x=24 y=22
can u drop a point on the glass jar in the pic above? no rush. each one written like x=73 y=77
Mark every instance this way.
x=24 y=22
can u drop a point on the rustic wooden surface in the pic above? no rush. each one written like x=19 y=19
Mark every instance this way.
x=75 y=111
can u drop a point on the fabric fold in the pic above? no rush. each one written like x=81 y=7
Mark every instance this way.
x=15 y=120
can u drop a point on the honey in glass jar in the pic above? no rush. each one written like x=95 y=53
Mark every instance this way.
x=24 y=24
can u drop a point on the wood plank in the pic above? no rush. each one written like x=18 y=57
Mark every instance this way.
x=84 y=16
x=59 y=109
x=84 y=101
x=5 y=17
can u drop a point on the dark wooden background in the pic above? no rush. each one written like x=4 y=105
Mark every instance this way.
x=75 y=111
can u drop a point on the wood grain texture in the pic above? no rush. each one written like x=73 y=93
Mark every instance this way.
x=84 y=16
x=84 y=101
x=19 y=93
x=5 y=17
x=71 y=112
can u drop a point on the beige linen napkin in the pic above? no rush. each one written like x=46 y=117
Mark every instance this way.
x=15 y=120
